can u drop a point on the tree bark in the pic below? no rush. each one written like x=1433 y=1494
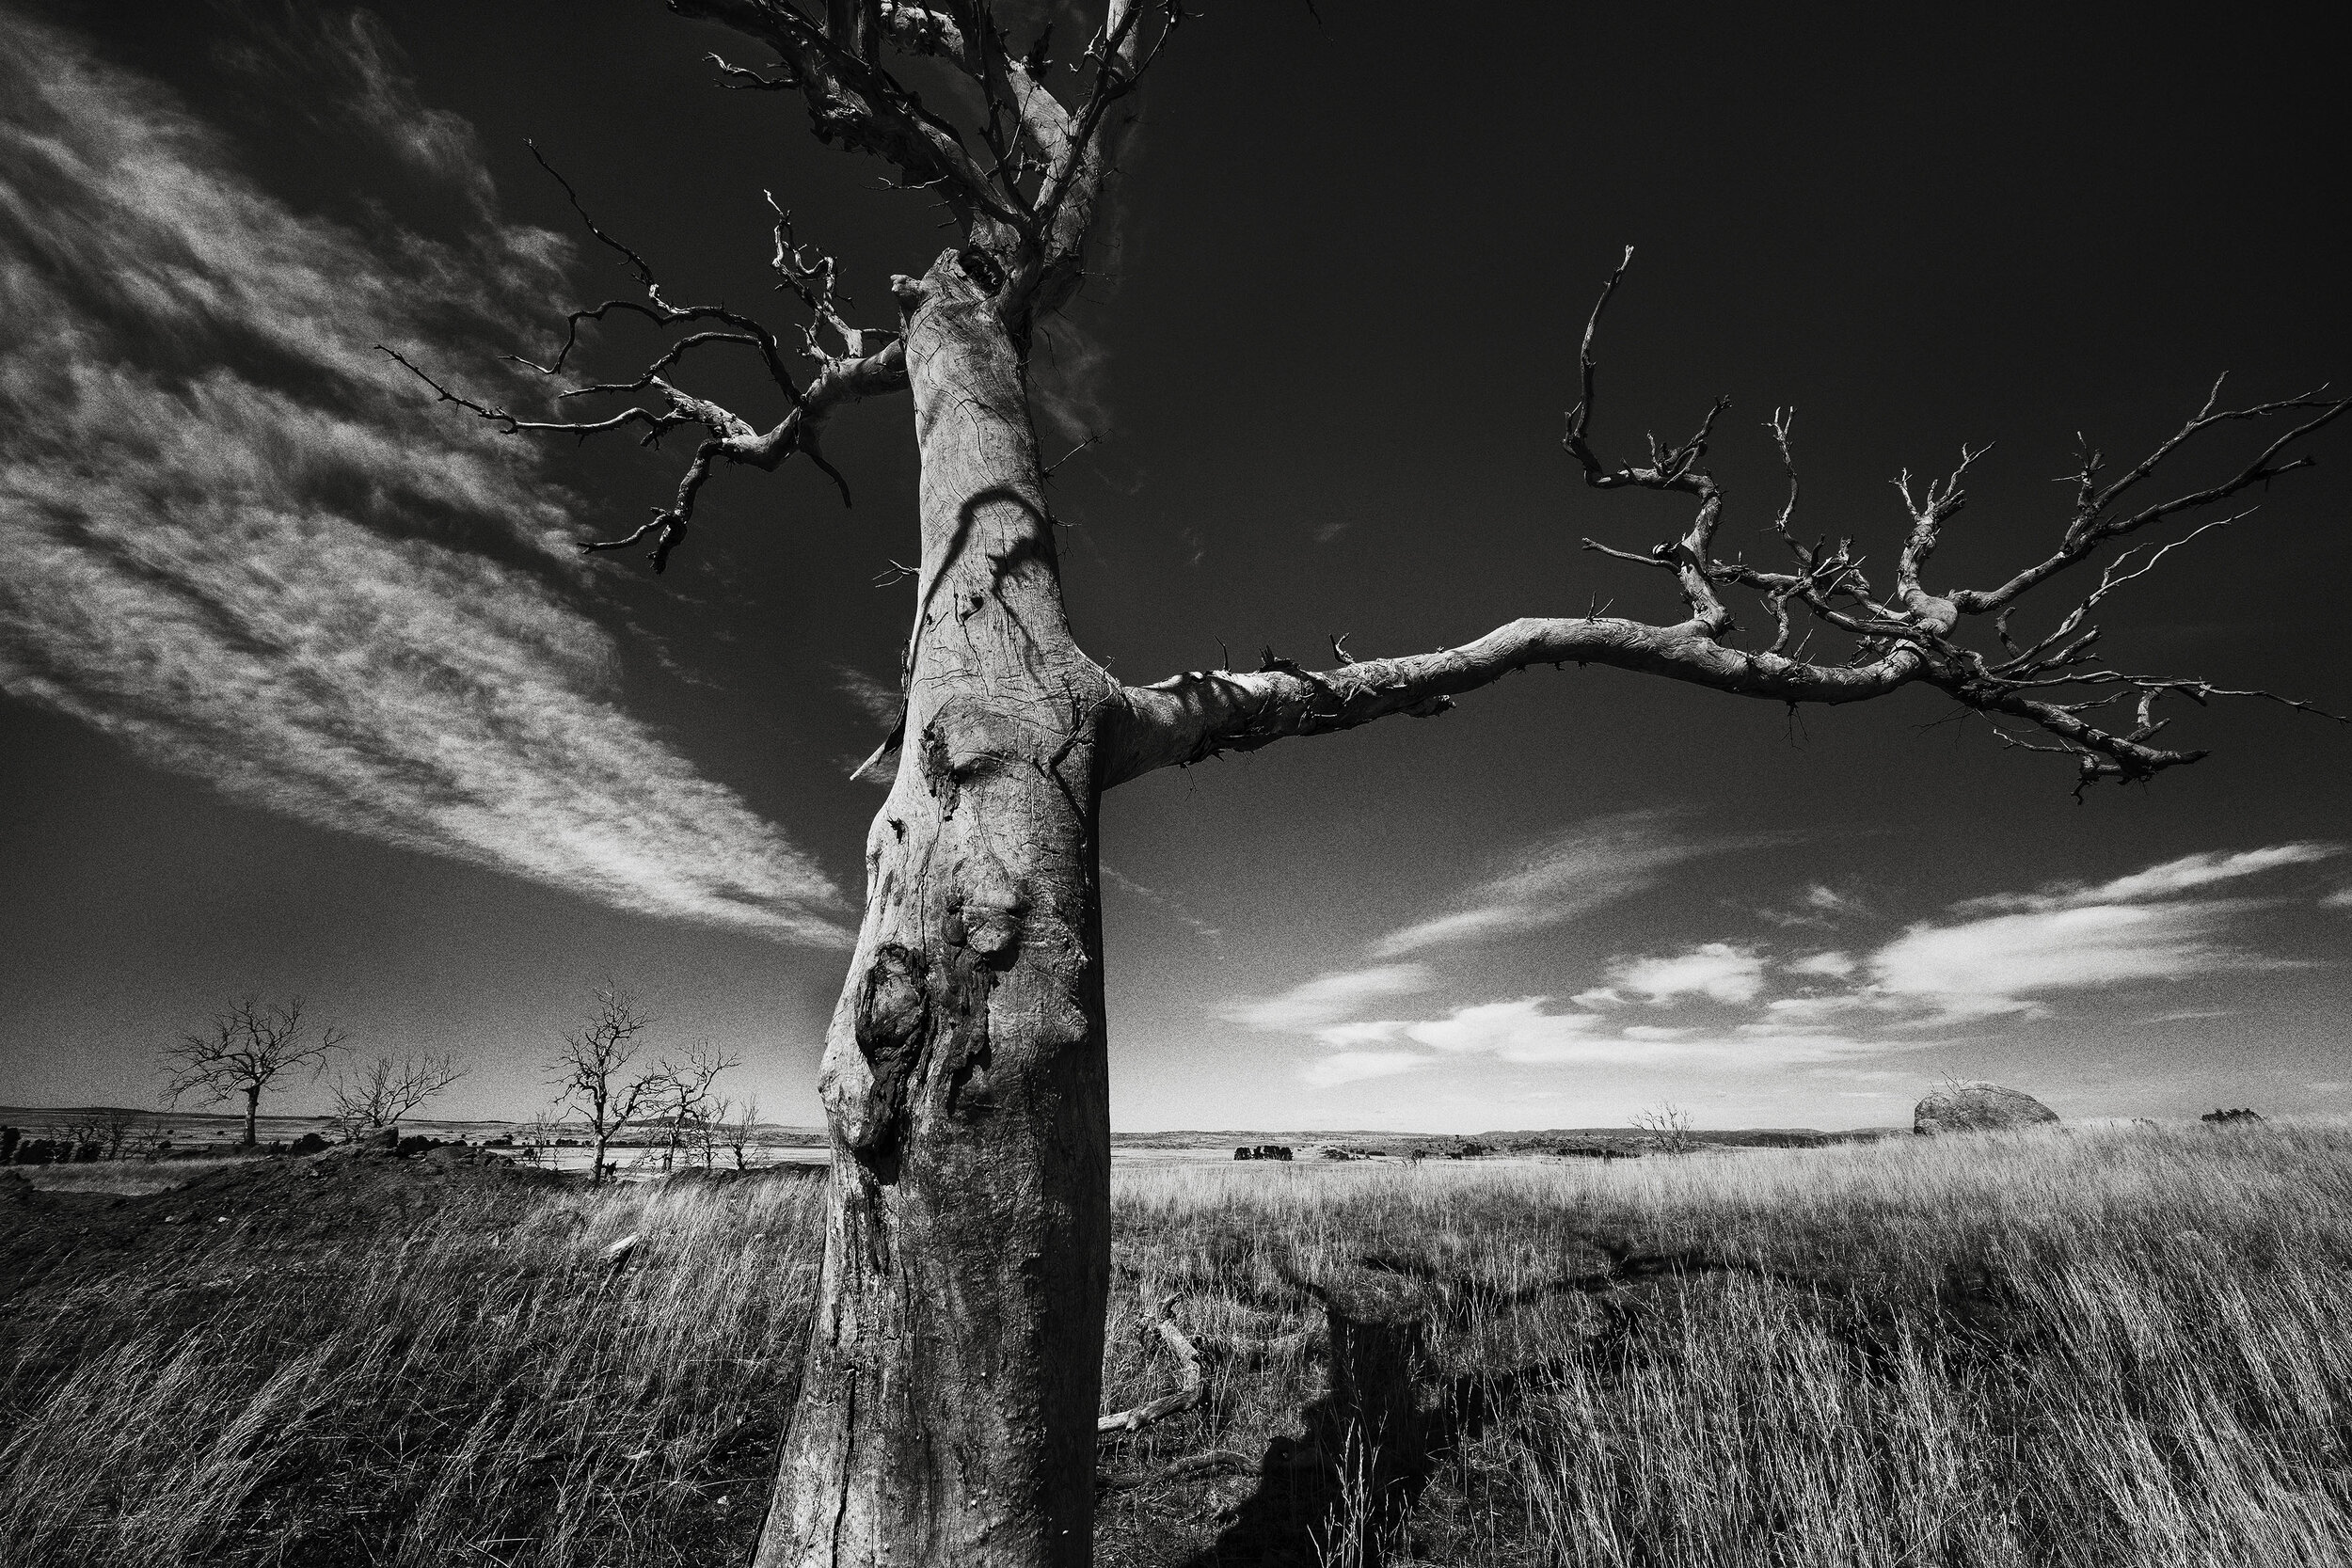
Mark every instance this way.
x=252 y=1117
x=947 y=1404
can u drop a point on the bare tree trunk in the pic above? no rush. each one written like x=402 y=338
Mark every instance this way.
x=252 y=1116
x=596 y=1171
x=948 y=1404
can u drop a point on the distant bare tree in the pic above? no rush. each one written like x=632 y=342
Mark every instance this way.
x=731 y=1128
x=246 y=1049
x=1669 y=1129
x=688 y=1102
x=73 y=1135
x=109 y=1131
x=592 y=1074
x=115 y=1131
x=386 y=1088
x=121 y=1133
x=539 y=1135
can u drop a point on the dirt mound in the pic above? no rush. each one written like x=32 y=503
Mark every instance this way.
x=357 y=1185
x=57 y=1236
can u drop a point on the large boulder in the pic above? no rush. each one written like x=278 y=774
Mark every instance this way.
x=1978 y=1108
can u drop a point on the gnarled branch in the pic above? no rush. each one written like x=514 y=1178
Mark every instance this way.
x=856 y=369
x=1907 y=638
x=1025 y=196
x=1191 y=1384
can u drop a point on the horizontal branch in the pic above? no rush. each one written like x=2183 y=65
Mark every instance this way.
x=1192 y=717
x=1195 y=715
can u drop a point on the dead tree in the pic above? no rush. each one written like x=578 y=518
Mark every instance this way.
x=592 y=1077
x=246 y=1049
x=947 y=1404
x=386 y=1088
x=539 y=1136
x=1668 y=1128
x=119 y=1133
x=735 y=1127
x=686 y=1097
x=108 y=1131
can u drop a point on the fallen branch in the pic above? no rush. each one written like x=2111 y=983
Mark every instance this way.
x=1191 y=1387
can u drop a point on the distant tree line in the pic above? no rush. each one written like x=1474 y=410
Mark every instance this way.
x=603 y=1090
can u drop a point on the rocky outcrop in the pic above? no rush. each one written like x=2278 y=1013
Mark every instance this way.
x=1978 y=1108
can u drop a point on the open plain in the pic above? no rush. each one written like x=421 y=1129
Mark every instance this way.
x=2109 y=1346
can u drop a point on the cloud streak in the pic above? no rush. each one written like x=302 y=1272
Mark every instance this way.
x=2002 y=964
x=223 y=521
x=2074 y=937
x=1328 y=998
x=2167 y=880
x=1591 y=865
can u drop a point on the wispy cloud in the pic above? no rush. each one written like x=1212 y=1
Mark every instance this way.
x=1351 y=1067
x=224 y=523
x=2168 y=879
x=1071 y=377
x=2005 y=963
x=346 y=66
x=1167 y=904
x=1816 y=905
x=876 y=699
x=1593 y=865
x=1328 y=998
x=2071 y=936
x=2340 y=899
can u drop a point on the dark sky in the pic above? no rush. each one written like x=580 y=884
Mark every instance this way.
x=306 y=695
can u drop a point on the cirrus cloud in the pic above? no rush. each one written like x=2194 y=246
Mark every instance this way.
x=1327 y=998
x=233 y=538
x=1592 y=864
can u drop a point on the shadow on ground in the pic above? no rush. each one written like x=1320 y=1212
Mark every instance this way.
x=1359 y=1458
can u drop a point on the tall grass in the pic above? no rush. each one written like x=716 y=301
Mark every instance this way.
x=2103 y=1348
x=484 y=1389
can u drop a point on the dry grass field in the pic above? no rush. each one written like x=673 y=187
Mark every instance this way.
x=2103 y=1347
